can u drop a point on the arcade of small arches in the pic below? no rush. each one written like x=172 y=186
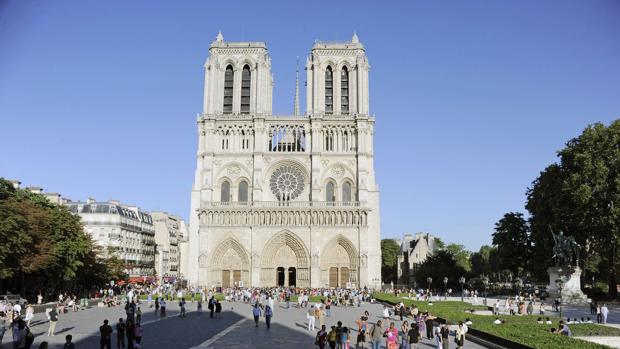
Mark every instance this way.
x=284 y=261
x=285 y=217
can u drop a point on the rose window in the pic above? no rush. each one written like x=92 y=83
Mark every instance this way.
x=287 y=182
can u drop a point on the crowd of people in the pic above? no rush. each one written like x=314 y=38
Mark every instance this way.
x=400 y=326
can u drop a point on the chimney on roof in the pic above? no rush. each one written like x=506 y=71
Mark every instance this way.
x=15 y=183
x=35 y=190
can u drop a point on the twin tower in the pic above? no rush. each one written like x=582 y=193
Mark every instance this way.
x=285 y=200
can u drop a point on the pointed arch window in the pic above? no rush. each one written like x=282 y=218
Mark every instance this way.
x=229 y=78
x=246 y=78
x=346 y=192
x=344 y=90
x=329 y=192
x=329 y=90
x=243 y=191
x=225 y=192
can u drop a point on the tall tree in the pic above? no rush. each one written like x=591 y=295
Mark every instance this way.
x=583 y=199
x=389 y=258
x=437 y=266
x=43 y=244
x=513 y=242
x=482 y=261
x=461 y=255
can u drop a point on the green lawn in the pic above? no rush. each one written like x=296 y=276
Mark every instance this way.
x=521 y=329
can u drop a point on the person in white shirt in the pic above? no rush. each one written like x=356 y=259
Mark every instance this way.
x=386 y=313
x=604 y=312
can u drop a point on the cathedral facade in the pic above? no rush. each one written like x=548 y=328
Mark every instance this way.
x=285 y=200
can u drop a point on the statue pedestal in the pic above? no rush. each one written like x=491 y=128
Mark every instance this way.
x=571 y=292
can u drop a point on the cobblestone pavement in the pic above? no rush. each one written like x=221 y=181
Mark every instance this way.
x=233 y=329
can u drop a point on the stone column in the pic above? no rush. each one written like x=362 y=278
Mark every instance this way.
x=236 y=91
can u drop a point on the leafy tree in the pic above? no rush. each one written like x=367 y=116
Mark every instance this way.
x=583 y=198
x=461 y=255
x=43 y=244
x=483 y=261
x=439 y=265
x=439 y=244
x=389 y=258
x=513 y=242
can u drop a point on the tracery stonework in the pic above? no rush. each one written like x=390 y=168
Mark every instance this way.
x=262 y=213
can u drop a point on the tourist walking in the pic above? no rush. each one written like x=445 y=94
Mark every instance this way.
x=120 y=334
x=255 y=313
x=139 y=330
x=156 y=306
x=404 y=335
x=138 y=315
x=130 y=332
x=106 y=335
x=331 y=338
x=376 y=335
x=182 y=306
x=53 y=316
x=268 y=315
x=414 y=335
x=211 y=306
x=29 y=314
x=162 y=306
x=362 y=326
x=599 y=315
x=460 y=336
x=437 y=335
x=391 y=338
x=444 y=332
x=321 y=338
x=311 y=319
x=604 y=313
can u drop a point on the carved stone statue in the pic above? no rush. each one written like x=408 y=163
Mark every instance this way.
x=565 y=250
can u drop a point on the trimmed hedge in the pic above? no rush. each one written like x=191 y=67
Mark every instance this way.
x=519 y=329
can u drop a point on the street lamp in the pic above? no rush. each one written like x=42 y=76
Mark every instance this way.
x=429 y=281
x=485 y=281
x=560 y=284
x=462 y=282
x=445 y=287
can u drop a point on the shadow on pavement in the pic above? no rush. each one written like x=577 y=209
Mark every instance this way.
x=170 y=332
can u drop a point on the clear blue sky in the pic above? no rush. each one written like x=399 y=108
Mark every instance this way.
x=472 y=98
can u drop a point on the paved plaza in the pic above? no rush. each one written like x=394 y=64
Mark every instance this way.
x=233 y=329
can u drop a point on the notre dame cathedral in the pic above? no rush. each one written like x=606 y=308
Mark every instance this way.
x=285 y=200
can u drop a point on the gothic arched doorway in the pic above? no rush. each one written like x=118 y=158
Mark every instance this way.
x=230 y=265
x=285 y=250
x=339 y=263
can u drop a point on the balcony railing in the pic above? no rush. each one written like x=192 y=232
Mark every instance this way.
x=283 y=204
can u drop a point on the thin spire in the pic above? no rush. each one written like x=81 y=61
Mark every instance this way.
x=296 y=107
x=219 y=36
